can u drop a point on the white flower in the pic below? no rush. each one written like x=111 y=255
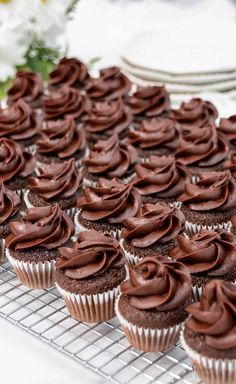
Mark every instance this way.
x=13 y=46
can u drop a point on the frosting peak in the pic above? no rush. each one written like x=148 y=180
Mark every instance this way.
x=214 y=316
x=70 y=71
x=195 y=112
x=149 y=101
x=45 y=227
x=93 y=254
x=158 y=283
x=10 y=203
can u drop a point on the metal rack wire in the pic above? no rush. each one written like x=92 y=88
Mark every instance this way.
x=101 y=347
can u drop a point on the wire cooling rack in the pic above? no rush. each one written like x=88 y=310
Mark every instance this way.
x=101 y=347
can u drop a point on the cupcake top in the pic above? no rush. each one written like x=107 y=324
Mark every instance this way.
x=10 y=203
x=61 y=180
x=202 y=147
x=195 y=112
x=65 y=101
x=61 y=138
x=158 y=283
x=212 y=253
x=230 y=164
x=215 y=191
x=228 y=128
x=111 y=158
x=19 y=122
x=161 y=176
x=93 y=254
x=107 y=117
x=110 y=85
x=44 y=227
x=149 y=101
x=14 y=160
x=70 y=71
x=159 y=133
x=154 y=223
x=214 y=316
x=110 y=201
x=27 y=86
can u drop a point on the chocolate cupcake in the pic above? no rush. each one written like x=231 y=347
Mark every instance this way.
x=151 y=307
x=56 y=183
x=69 y=71
x=61 y=140
x=32 y=246
x=230 y=164
x=161 y=179
x=149 y=102
x=208 y=255
x=152 y=231
x=210 y=203
x=110 y=159
x=16 y=165
x=89 y=274
x=10 y=204
x=158 y=136
x=209 y=335
x=21 y=123
x=202 y=149
x=106 y=118
x=65 y=102
x=27 y=86
x=111 y=84
x=106 y=206
x=227 y=127
x=196 y=112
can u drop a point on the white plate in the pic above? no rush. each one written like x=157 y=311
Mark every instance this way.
x=184 y=49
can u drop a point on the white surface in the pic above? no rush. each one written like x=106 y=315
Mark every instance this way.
x=25 y=360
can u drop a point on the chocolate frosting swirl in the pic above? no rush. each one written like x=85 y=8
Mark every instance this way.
x=61 y=138
x=161 y=176
x=111 y=158
x=111 y=200
x=228 y=128
x=202 y=146
x=45 y=227
x=210 y=252
x=27 y=86
x=10 y=203
x=14 y=160
x=213 y=191
x=214 y=316
x=70 y=71
x=231 y=163
x=57 y=180
x=65 y=101
x=195 y=112
x=107 y=117
x=92 y=254
x=156 y=133
x=19 y=122
x=112 y=84
x=158 y=283
x=154 y=223
x=149 y=101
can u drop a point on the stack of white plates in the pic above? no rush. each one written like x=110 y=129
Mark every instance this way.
x=186 y=58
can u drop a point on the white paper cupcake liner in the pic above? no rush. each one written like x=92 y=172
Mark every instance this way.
x=197 y=291
x=194 y=179
x=91 y=308
x=80 y=228
x=34 y=275
x=210 y=370
x=192 y=228
x=131 y=259
x=147 y=339
x=31 y=149
x=2 y=251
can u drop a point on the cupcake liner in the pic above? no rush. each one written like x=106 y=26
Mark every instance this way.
x=34 y=275
x=210 y=370
x=31 y=149
x=147 y=339
x=90 y=308
x=91 y=183
x=2 y=251
x=194 y=179
x=192 y=228
x=80 y=228
x=130 y=258
x=197 y=291
x=70 y=212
